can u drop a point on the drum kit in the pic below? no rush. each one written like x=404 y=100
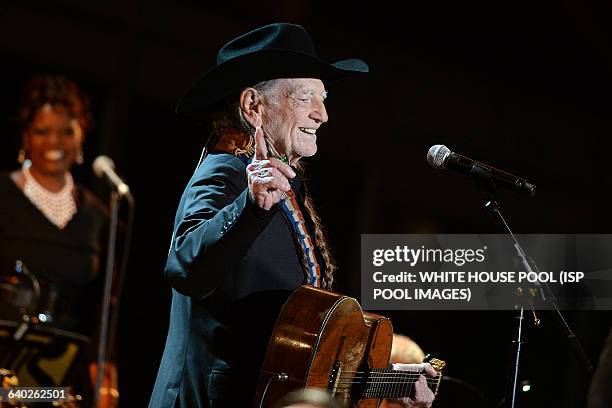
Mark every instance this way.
x=33 y=352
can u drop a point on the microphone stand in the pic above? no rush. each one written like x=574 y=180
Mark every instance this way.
x=108 y=280
x=106 y=297
x=121 y=274
x=492 y=205
x=485 y=182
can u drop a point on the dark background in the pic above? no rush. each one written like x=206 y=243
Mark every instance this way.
x=522 y=85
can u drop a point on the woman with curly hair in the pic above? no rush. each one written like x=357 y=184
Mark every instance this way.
x=54 y=228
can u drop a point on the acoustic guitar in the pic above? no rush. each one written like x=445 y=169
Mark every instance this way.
x=324 y=340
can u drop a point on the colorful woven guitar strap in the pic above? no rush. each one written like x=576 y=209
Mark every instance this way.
x=291 y=209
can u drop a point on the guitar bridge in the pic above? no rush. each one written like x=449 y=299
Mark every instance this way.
x=334 y=378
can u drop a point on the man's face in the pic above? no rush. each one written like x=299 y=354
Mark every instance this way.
x=291 y=118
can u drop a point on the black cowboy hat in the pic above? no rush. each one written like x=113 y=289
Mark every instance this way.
x=273 y=51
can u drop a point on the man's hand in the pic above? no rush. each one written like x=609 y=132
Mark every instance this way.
x=423 y=396
x=268 y=178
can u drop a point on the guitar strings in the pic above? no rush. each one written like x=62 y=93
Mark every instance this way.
x=381 y=372
x=383 y=379
x=407 y=377
x=388 y=375
x=404 y=379
x=350 y=385
x=416 y=377
x=365 y=374
x=368 y=394
x=347 y=379
x=391 y=391
x=346 y=383
x=388 y=379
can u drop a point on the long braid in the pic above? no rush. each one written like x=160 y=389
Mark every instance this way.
x=321 y=242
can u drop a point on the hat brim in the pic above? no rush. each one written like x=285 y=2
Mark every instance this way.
x=234 y=75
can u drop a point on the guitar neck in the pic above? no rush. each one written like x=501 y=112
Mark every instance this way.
x=388 y=383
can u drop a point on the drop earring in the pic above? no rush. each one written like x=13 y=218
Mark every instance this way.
x=79 y=157
x=21 y=156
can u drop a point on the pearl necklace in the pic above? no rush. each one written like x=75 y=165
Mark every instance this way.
x=59 y=208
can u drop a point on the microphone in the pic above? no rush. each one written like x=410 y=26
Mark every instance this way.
x=440 y=157
x=104 y=167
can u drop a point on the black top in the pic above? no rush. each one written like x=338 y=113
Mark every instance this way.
x=66 y=261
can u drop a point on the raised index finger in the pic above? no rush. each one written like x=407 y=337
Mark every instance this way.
x=261 y=150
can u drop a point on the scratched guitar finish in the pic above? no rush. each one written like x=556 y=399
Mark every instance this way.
x=324 y=340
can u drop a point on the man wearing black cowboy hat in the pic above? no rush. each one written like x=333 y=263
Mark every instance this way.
x=246 y=233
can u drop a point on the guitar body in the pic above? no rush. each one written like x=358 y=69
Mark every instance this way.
x=320 y=340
